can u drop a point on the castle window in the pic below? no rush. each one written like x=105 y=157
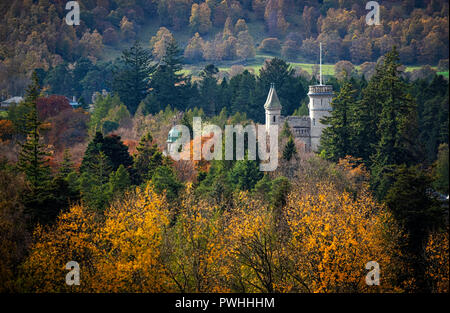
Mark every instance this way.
x=314 y=121
x=274 y=119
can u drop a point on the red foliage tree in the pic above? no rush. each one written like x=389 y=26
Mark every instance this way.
x=52 y=106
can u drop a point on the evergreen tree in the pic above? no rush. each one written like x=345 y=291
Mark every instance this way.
x=278 y=195
x=147 y=159
x=119 y=180
x=93 y=149
x=368 y=111
x=165 y=181
x=441 y=170
x=289 y=150
x=409 y=201
x=286 y=131
x=209 y=91
x=66 y=166
x=117 y=152
x=396 y=127
x=113 y=149
x=244 y=97
x=245 y=174
x=336 y=140
x=131 y=79
x=32 y=162
x=166 y=80
x=432 y=107
x=290 y=89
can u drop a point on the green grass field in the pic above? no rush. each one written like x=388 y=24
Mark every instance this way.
x=256 y=63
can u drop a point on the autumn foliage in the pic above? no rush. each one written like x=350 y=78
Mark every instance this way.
x=319 y=242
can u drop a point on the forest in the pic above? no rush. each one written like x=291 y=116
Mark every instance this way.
x=34 y=35
x=92 y=183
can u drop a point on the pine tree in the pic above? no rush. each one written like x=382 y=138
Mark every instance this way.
x=209 y=91
x=441 y=170
x=396 y=127
x=336 y=140
x=119 y=180
x=93 y=149
x=165 y=181
x=409 y=201
x=166 y=80
x=286 y=131
x=368 y=111
x=147 y=159
x=32 y=162
x=290 y=89
x=131 y=80
x=245 y=174
x=289 y=150
x=244 y=96
x=66 y=166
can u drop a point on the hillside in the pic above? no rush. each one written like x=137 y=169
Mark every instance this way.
x=33 y=34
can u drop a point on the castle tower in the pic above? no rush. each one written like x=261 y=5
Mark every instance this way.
x=319 y=107
x=273 y=108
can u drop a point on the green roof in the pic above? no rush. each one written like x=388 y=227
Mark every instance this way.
x=174 y=134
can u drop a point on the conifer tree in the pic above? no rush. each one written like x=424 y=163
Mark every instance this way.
x=165 y=82
x=336 y=140
x=131 y=80
x=147 y=159
x=397 y=126
x=286 y=131
x=66 y=166
x=289 y=150
x=32 y=162
x=119 y=180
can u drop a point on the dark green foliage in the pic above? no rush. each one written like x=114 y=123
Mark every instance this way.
x=165 y=82
x=109 y=126
x=165 y=180
x=61 y=80
x=131 y=78
x=286 y=131
x=39 y=201
x=291 y=90
x=337 y=140
x=147 y=159
x=432 y=109
x=216 y=185
x=119 y=180
x=289 y=150
x=243 y=90
x=245 y=174
x=410 y=202
x=209 y=90
x=441 y=170
x=397 y=125
x=280 y=190
x=113 y=149
x=66 y=167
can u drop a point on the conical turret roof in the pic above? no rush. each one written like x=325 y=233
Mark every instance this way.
x=272 y=102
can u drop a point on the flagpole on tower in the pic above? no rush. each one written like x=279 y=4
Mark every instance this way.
x=320 y=63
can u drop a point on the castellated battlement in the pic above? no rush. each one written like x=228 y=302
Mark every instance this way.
x=306 y=128
x=320 y=89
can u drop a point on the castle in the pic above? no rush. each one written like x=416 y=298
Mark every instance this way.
x=306 y=128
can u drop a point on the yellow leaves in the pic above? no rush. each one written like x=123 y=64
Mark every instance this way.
x=437 y=255
x=319 y=242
